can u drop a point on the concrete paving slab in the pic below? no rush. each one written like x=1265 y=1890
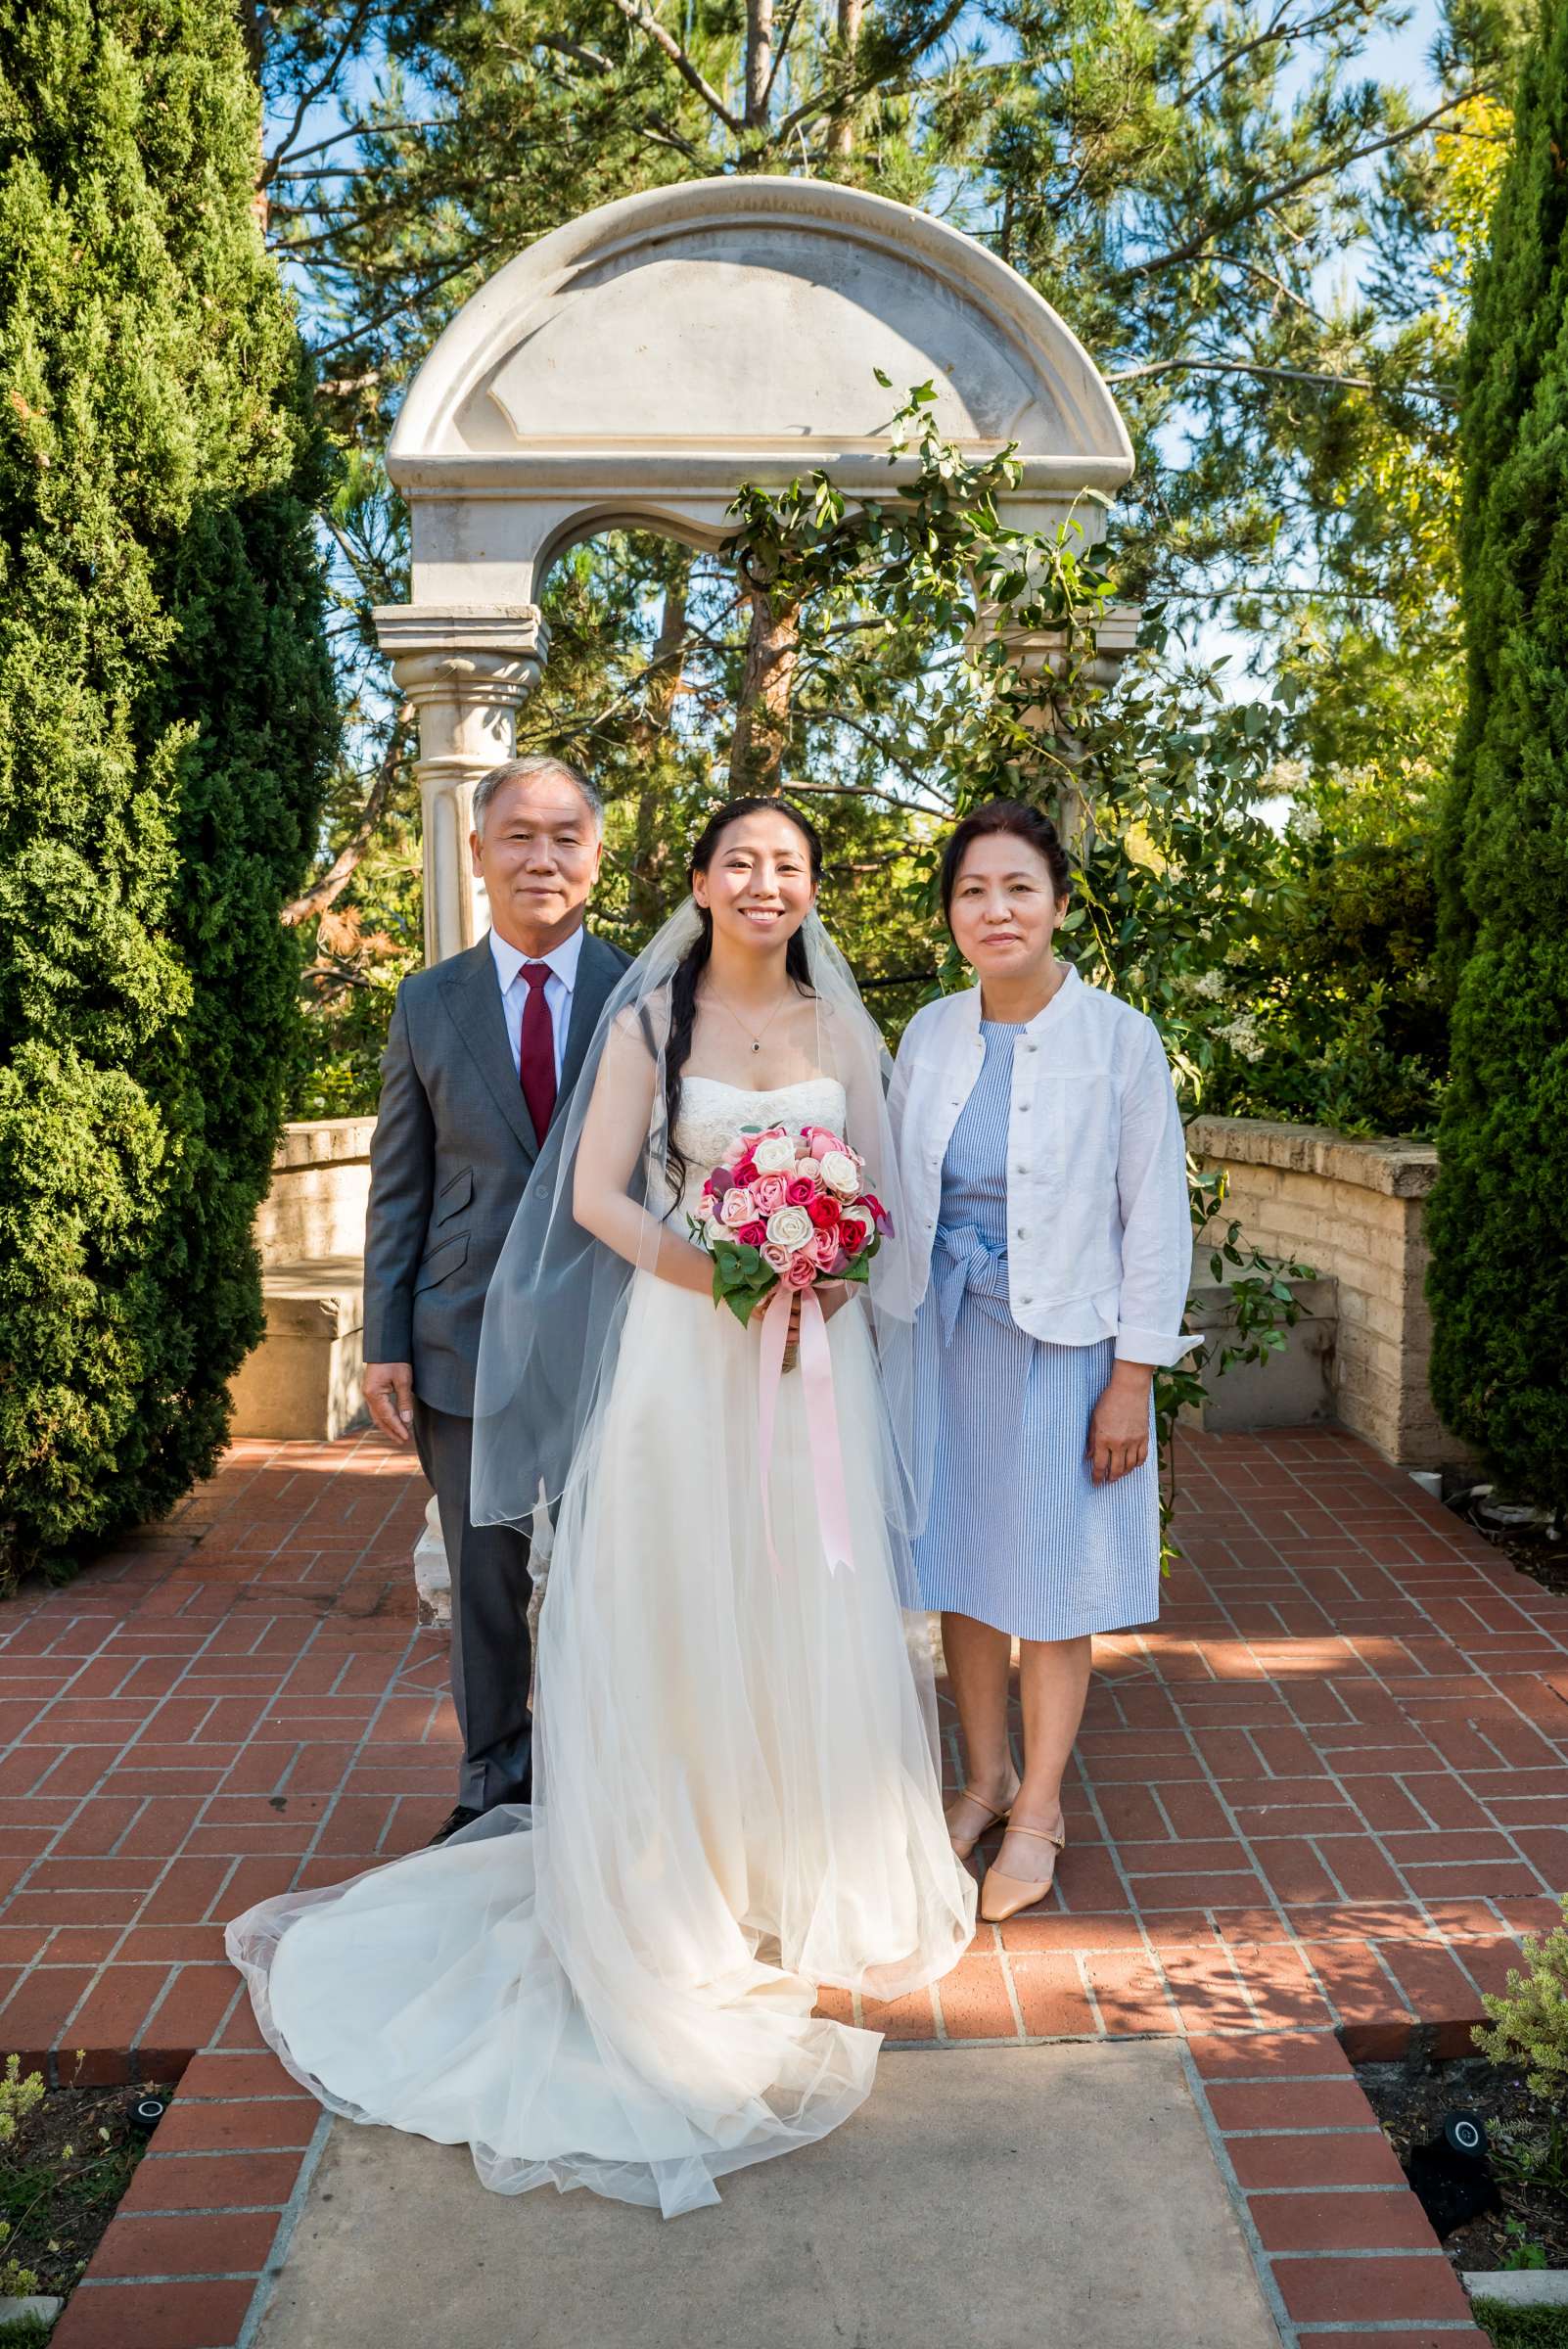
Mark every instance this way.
x=1047 y=2197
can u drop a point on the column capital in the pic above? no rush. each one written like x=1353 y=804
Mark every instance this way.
x=1037 y=649
x=468 y=668
x=442 y=651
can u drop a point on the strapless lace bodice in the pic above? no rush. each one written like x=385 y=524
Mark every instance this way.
x=712 y=1113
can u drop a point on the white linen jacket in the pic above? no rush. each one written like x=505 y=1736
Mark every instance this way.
x=1099 y=1238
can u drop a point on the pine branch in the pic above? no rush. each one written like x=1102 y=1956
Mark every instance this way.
x=790 y=23
x=1284 y=375
x=880 y=75
x=1326 y=168
x=646 y=22
x=664 y=134
x=1277 y=33
x=356 y=24
x=335 y=879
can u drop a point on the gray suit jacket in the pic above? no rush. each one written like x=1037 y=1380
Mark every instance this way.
x=453 y=1153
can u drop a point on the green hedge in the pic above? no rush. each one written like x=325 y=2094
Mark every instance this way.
x=167 y=720
x=1499 y=1272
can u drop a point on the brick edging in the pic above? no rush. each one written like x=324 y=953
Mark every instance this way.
x=1346 y=2257
x=206 y=2220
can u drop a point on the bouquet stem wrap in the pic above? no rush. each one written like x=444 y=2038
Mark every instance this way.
x=821 y=1422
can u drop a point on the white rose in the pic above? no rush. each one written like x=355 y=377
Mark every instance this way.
x=841 y=1173
x=804 y=1167
x=774 y=1155
x=789 y=1227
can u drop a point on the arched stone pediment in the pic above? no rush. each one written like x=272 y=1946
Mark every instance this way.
x=640 y=364
x=732 y=316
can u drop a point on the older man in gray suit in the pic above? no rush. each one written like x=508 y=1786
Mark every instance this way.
x=482 y=1054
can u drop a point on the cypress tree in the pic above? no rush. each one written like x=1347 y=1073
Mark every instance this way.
x=167 y=720
x=1500 y=1274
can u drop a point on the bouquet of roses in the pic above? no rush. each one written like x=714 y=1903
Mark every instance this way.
x=786 y=1209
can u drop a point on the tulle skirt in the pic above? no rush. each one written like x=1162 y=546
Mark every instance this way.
x=737 y=1801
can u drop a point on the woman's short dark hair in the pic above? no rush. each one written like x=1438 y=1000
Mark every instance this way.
x=1026 y=824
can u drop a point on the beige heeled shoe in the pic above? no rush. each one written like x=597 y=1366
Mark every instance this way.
x=992 y=1818
x=1002 y=1897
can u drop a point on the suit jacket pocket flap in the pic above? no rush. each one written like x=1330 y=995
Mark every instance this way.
x=454 y=1194
x=441 y=1262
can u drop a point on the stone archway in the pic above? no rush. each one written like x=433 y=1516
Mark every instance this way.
x=634 y=368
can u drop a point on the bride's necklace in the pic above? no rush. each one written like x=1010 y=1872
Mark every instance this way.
x=757 y=1034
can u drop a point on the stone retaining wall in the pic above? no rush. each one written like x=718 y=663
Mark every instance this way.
x=304 y=1378
x=1355 y=1211
x=320 y=1191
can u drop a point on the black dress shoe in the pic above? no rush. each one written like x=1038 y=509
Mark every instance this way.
x=459 y=1816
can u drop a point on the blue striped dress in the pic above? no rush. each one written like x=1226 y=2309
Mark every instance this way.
x=1017 y=1533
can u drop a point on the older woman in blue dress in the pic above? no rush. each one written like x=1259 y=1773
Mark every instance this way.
x=1044 y=1173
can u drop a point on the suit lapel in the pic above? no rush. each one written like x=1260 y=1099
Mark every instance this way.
x=597 y=972
x=471 y=995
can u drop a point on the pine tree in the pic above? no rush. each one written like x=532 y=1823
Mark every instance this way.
x=166 y=719
x=1500 y=1273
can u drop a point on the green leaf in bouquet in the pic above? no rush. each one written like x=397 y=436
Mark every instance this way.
x=738 y=1263
x=744 y=1297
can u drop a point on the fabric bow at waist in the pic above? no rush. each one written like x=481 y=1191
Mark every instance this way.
x=966 y=1264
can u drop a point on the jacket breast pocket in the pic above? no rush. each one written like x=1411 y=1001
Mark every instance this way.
x=453 y=1195
x=441 y=1263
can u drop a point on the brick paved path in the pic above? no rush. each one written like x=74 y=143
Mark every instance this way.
x=1325 y=1796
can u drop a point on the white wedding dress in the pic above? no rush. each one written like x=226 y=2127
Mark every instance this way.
x=736 y=1800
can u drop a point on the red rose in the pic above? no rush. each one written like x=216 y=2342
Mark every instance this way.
x=825 y=1213
x=752 y=1235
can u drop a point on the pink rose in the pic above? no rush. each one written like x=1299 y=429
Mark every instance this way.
x=824 y=1246
x=800 y=1273
x=800 y=1193
x=738 y=1207
x=751 y=1235
x=767 y=1192
x=778 y=1258
x=806 y=1168
x=818 y=1140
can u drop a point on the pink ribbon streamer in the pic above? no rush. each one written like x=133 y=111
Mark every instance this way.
x=821 y=1422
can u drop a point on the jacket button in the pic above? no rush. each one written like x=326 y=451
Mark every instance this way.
x=1026 y=1299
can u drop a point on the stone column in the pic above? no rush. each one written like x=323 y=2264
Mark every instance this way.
x=468 y=669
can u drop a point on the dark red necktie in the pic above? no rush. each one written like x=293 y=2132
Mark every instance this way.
x=536 y=1054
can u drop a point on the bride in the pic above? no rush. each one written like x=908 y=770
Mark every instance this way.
x=737 y=1786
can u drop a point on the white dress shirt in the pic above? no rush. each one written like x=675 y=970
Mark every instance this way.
x=1099 y=1238
x=563 y=961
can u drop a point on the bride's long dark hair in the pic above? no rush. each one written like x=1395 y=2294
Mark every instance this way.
x=689 y=970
